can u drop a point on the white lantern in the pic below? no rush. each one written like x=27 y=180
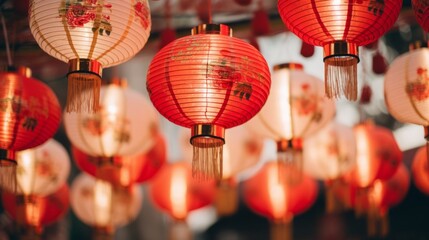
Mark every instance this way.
x=89 y=35
x=98 y=204
x=330 y=152
x=42 y=170
x=126 y=124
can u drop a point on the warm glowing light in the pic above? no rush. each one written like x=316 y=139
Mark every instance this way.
x=27 y=165
x=377 y=192
x=226 y=164
x=102 y=203
x=178 y=194
x=277 y=193
x=362 y=157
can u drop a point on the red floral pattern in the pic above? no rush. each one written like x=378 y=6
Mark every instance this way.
x=419 y=90
x=81 y=12
x=306 y=103
x=142 y=13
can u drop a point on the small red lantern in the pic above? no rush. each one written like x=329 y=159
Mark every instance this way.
x=278 y=201
x=30 y=114
x=126 y=170
x=339 y=27
x=35 y=211
x=208 y=82
x=421 y=10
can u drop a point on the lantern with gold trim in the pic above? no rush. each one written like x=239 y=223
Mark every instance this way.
x=89 y=35
x=208 y=82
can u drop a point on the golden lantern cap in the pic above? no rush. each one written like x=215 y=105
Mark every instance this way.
x=211 y=28
x=341 y=49
x=291 y=66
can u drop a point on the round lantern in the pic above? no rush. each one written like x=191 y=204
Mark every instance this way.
x=208 y=82
x=420 y=170
x=30 y=115
x=330 y=152
x=340 y=27
x=127 y=170
x=406 y=88
x=89 y=35
x=295 y=109
x=377 y=155
x=175 y=191
x=102 y=206
x=126 y=124
x=275 y=199
x=41 y=170
x=36 y=211
x=421 y=11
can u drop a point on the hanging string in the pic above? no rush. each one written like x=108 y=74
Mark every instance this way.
x=168 y=13
x=6 y=40
x=209 y=2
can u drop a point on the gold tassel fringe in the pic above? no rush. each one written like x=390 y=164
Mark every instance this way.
x=341 y=77
x=207 y=158
x=8 y=177
x=281 y=230
x=179 y=230
x=83 y=92
x=226 y=199
x=290 y=162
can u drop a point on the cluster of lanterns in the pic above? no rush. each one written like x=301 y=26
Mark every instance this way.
x=207 y=82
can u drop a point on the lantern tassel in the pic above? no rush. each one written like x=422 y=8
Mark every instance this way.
x=281 y=230
x=8 y=176
x=83 y=92
x=226 y=200
x=179 y=230
x=341 y=77
x=207 y=159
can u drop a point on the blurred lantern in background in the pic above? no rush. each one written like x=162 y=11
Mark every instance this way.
x=174 y=191
x=41 y=170
x=377 y=155
x=30 y=115
x=295 y=109
x=278 y=201
x=127 y=170
x=126 y=124
x=329 y=154
x=421 y=11
x=340 y=27
x=241 y=151
x=406 y=87
x=36 y=212
x=208 y=82
x=103 y=206
x=420 y=170
x=89 y=35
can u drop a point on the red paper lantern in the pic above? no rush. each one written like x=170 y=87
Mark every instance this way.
x=208 y=82
x=265 y=194
x=35 y=211
x=175 y=191
x=30 y=114
x=421 y=10
x=339 y=27
x=125 y=170
x=378 y=155
x=420 y=170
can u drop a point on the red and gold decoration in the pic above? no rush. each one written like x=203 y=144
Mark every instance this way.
x=174 y=191
x=126 y=170
x=340 y=27
x=296 y=108
x=89 y=35
x=30 y=114
x=278 y=201
x=33 y=213
x=103 y=206
x=125 y=125
x=41 y=170
x=208 y=82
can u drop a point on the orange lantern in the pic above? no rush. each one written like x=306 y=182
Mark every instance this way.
x=377 y=155
x=89 y=35
x=37 y=212
x=340 y=27
x=420 y=170
x=127 y=170
x=208 y=82
x=30 y=115
x=276 y=200
x=102 y=205
x=296 y=108
x=174 y=191
x=126 y=124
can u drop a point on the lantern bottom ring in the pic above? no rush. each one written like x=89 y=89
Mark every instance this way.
x=201 y=131
x=340 y=49
x=291 y=144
